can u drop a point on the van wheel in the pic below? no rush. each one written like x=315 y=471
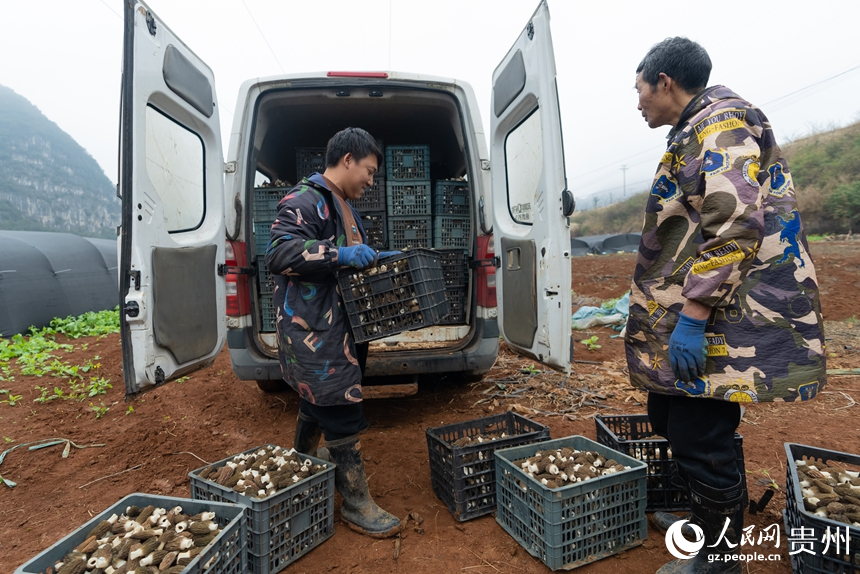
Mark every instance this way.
x=272 y=386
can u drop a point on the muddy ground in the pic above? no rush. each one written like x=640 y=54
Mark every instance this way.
x=152 y=443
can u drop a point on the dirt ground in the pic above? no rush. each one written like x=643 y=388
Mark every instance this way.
x=212 y=415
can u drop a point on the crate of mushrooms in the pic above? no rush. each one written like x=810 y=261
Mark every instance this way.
x=400 y=293
x=145 y=532
x=288 y=497
x=462 y=468
x=571 y=501
x=822 y=493
x=632 y=435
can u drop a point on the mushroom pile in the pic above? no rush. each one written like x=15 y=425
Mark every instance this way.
x=262 y=473
x=830 y=491
x=152 y=540
x=479 y=439
x=395 y=308
x=565 y=466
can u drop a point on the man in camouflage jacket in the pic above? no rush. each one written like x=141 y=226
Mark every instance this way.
x=724 y=306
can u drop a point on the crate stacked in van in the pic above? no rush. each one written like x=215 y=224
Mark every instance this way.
x=265 y=210
x=452 y=236
x=408 y=197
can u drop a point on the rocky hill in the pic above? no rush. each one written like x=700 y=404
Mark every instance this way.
x=48 y=182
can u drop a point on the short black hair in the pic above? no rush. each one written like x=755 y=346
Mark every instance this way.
x=681 y=59
x=355 y=141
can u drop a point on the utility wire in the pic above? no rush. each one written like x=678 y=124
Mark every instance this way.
x=263 y=36
x=108 y=6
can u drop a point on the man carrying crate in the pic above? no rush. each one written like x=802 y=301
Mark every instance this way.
x=724 y=307
x=316 y=233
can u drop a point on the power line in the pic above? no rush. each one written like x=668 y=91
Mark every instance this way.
x=111 y=9
x=263 y=36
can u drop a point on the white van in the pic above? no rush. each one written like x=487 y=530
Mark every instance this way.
x=190 y=272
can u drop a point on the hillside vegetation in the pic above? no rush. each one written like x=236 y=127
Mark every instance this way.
x=826 y=172
x=48 y=182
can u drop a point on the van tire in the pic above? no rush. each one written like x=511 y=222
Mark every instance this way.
x=272 y=386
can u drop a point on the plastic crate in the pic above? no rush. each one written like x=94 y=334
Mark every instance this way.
x=798 y=517
x=451 y=197
x=410 y=232
x=373 y=198
x=265 y=280
x=375 y=227
x=456 y=298
x=464 y=477
x=407 y=162
x=309 y=160
x=229 y=545
x=632 y=435
x=268 y=315
x=408 y=294
x=452 y=231
x=455 y=267
x=262 y=234
x=577 y=524
x=284 y=526
x=266 y=200
x=408 y=198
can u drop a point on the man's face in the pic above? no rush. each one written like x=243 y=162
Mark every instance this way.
x=359 y=175
x=654 y=102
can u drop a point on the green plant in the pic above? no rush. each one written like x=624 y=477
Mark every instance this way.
x=99 y=410
x=817 y=237
x=129 y=410
x=768 y=480
x=181 y=380
x=852 y=319
x=11 y=399
x=8 y=440
x=530 y=370
x=591 y=343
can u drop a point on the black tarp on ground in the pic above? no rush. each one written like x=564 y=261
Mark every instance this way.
x=603 y=244
x=579 y=247
x=45 y=275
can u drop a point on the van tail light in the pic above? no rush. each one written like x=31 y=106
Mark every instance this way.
x=238 y=297
x=486 y=271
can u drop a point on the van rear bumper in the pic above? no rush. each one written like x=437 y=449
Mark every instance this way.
x=476 y=358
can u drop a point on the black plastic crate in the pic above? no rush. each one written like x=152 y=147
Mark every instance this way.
x=373 y=198
x=576 y=524
x=375 y=227
x=407 y=162
x=268 y=316
x=266 y=200
x=284 y=526
x=403 y=292
x=309 y=160
x=456 y=298
x=451 y=197
x=464 y=477
x=455 y=267
x=798 y=517
x=632 y=435
x=408 y=198
x=262 y=234
x=227 y=552
x=410 y=232
x=452 y=231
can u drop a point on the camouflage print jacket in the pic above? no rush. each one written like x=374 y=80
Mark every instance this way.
x=315 y=343
x=722 y=228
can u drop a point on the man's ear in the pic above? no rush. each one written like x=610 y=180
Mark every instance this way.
x=664 y=82
x=348 y=160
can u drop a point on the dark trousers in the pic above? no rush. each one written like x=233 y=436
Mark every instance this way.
x=340 y=421
x=701 y=433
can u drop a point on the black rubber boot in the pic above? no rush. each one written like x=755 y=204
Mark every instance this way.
x=308 y=435
x=358 y=509
x=663 y=520
x=710 y=509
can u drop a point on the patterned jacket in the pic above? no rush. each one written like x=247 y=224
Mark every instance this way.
x=315 y=344
x=722 y=228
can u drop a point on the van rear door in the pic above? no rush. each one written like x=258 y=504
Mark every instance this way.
x=531 y=203
x=171 y=184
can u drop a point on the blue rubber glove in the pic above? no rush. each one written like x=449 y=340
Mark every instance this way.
x=388 y=253
x=687 y=349
x=358 y=256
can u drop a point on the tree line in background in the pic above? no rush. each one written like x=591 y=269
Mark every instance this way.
x=826 y=172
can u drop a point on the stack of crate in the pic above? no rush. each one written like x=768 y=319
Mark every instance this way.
x=265 y=210
x=371 y=209
x=408 y=187
x=452 y=236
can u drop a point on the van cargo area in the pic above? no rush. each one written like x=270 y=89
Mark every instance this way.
x=413 y=203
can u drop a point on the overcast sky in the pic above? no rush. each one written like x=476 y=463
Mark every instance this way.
x=798 y=60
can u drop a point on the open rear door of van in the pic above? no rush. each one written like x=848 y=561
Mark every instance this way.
x=171 y=184
x=531 y=203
